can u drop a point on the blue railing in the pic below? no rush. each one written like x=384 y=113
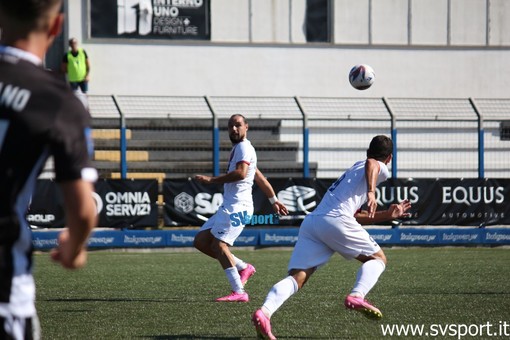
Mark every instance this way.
x=411 y=118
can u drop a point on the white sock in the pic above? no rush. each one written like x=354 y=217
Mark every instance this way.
x=240 y=264
x=367 y=277
x=279 y=294
x=234 y=279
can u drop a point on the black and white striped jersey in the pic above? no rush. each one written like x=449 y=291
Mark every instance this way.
x=39 y=117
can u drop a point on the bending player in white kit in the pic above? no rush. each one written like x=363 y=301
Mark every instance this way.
x=334 y=227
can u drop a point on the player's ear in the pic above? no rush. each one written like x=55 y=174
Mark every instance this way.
x=56 y=25
x=388 y=159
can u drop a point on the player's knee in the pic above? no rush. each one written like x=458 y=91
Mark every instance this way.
x=218 y=247
x=301 y=276
x=381 y=257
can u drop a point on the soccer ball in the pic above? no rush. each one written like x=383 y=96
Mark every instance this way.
x=361 y=77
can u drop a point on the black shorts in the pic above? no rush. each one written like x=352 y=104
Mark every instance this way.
x=28 y=327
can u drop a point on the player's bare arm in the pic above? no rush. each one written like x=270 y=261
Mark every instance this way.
x=395 y=211
x=81 y=219
x=371 y=174
x=267 y=189
x=237 y=175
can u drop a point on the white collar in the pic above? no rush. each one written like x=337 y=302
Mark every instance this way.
x=16 y=52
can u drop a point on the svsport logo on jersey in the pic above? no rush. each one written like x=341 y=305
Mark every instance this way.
x=242 y=218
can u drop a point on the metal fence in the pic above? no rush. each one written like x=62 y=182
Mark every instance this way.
x=434 y=138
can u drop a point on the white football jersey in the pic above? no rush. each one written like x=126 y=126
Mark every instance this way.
x=349 y=192
x=240 y=191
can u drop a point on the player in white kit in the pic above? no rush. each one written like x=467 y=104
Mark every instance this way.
x=334 y=227
x=222 y=229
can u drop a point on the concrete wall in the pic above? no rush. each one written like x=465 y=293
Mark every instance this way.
x=432 y=48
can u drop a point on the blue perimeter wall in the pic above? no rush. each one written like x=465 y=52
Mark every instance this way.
x=271 y=237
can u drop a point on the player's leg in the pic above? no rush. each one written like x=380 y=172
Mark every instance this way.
x=217 y=249
x=225 y=234
x=224 y=256
x=352 y=241
x=310 y=253
x=246 y=270
x=204 y=238
x=240 y=264
x=222 y=253
x=284 y=289
x=20 y=328
x=306 y=251
x=276 y=297
x=368 y=275
x=203 y=241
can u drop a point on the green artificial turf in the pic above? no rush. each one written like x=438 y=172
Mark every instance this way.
x=170 y=295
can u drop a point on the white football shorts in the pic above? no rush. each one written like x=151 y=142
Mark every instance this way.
x=229 y=221
x=321 y=236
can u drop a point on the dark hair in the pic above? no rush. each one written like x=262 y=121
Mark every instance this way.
x=32 y=14
x=380 y=148
x=239 y=115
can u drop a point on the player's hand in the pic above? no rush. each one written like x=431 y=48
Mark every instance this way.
x=400 y=210
x=280 y=208
x=67 y=254
x=371 y=204
x=203 y=178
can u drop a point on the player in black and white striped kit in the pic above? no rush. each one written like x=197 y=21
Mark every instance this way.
x=39 y=117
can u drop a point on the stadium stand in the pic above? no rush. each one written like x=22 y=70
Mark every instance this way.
x=172 y=137
x=183 y=148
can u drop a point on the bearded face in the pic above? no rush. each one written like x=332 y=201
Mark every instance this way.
x=237 y=128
